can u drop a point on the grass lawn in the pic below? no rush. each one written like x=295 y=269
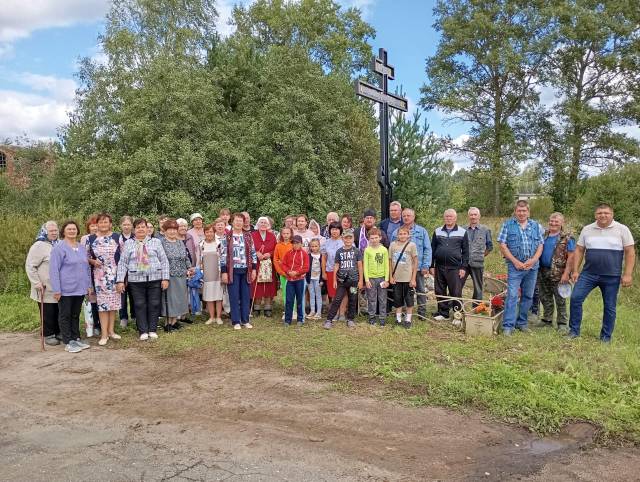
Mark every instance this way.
x=539 y=380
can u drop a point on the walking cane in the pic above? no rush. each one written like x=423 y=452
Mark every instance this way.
x=41 y=291
x=255 y=288
x=253 y=298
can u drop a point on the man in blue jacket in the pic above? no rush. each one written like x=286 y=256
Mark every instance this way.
x=420 y=237
x=521 y=240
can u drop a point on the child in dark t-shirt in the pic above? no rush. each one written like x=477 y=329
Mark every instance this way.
x=347 y=280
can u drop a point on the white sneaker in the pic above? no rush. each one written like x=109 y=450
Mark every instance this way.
x=219 y=321
x=312 y=315
x=209 y=321
x=144 y=337
x=439 y=318
x=248 y=325
x=115 y=336
x=237 y=327
x=153 y=335
x=103 y=341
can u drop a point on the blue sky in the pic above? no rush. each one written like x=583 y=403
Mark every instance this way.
x=41 y=41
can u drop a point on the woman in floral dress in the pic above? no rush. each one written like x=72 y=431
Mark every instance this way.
x=104 y=253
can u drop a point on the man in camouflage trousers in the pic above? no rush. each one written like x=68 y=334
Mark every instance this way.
x=556 y=263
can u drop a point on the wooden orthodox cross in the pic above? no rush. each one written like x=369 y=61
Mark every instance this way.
x=385 y=99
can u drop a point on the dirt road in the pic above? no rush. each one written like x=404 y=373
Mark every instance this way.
x=121 y=415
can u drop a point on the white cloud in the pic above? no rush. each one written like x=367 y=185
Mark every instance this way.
x=41 y=112
x=60 y=89
x=18 y=18
x=365 y=6
x=548 y=95
x=460 y=161
x=225 y=14
x=34 y=115
x=632 y=131
x=225 y=10
x=460 y=140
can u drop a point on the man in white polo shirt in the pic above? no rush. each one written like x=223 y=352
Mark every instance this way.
x=603 y=244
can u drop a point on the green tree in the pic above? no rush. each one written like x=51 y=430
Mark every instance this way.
x=593 y=69
x=420 y=175
x=617 y=186
x=178 y=118
x=484 y=72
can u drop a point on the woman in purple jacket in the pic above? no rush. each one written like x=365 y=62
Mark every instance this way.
x=70 y=282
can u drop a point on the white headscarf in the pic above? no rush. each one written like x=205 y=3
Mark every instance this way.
x=263 y=218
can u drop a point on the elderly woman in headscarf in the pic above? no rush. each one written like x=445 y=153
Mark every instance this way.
x=264 y=288
x=37 y=268
x=314 y=227
x=197 y=231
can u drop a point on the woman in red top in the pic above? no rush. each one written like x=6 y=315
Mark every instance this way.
x=264 y=291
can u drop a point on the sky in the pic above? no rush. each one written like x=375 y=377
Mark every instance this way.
x=42 y=40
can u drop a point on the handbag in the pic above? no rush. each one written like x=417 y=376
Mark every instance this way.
x=265 y=271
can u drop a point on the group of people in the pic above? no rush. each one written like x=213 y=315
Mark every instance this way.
x=235 y=267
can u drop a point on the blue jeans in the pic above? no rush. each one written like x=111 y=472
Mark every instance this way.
x=283 y=287
x=295 y=292
x=239 y=300
x=609 y=286
x=518 y=281
x=315 y=296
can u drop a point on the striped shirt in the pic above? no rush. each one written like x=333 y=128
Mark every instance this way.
x=604 y=248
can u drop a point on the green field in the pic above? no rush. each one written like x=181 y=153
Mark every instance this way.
x=539 y=380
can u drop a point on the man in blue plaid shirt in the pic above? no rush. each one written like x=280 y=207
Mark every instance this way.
x=521 y=241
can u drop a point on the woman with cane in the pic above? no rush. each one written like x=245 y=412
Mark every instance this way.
x=37 y=268
x=264 y=288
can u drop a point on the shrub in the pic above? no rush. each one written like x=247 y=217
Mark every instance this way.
x=617 y=187
x=16 y=236
x=541 y=208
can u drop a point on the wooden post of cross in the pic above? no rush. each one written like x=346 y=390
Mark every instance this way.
x=385 y=100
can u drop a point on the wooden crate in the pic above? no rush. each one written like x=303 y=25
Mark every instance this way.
x=481 y=325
